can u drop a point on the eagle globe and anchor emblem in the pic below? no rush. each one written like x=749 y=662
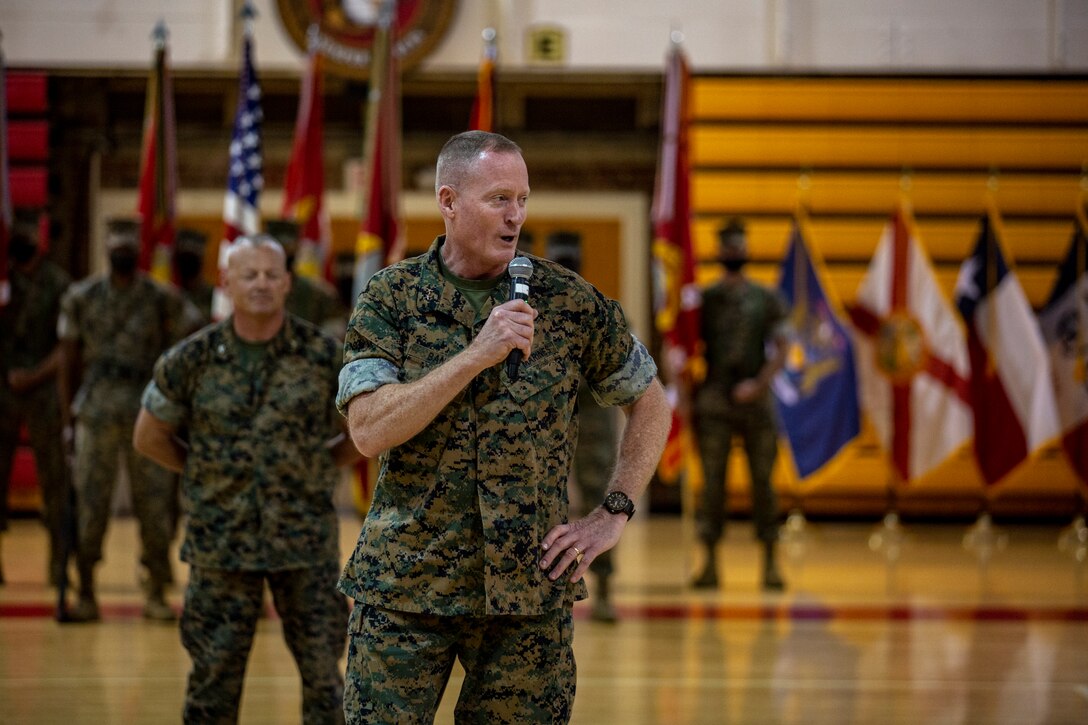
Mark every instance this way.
x=344 y=31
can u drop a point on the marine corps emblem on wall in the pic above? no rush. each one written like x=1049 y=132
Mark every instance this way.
x=344 y=30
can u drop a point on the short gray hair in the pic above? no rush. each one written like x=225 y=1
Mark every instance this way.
x=256 y=241
x=461 y=152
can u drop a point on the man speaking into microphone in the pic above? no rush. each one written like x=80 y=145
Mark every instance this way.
x=467 y=552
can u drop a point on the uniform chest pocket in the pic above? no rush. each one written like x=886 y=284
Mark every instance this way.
x=543 y=370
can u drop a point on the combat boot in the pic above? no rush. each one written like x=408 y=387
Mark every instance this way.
x=156 y=608
x=772 y=580
x=86 y=609
x=708 y=578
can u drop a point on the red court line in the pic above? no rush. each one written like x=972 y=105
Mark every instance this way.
x=848 y=612
x=709 y=611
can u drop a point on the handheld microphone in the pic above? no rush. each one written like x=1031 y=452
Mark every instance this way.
x=520 y=270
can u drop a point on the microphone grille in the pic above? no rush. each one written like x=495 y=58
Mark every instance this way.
x=520 y=267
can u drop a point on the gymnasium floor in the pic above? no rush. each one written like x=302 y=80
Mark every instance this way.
x=930 y=631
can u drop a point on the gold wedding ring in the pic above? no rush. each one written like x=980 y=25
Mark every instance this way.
x=577 y=554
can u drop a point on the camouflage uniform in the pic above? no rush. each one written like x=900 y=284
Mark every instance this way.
x=316 y=301
x=28 y=334
x=200 y=296
x=459 y=511
x=737 y=321
x=258 y=489
x=120 y=332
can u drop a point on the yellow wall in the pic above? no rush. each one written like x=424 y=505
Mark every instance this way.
x=847 y=150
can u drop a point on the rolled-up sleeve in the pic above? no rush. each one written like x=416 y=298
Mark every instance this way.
x=363 y=376
x=630 y=381
x=162 y=407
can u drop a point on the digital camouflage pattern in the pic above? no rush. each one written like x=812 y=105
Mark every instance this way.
x=217 y=625
x=28 y=334
x=518 y=669
x=460 y=510
x=119 y=332
x=153 y=490
x=737 y=322
x=258 y=480
x=316 y=301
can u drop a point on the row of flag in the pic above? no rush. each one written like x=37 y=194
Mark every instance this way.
x=931 y=375
x=379 y=235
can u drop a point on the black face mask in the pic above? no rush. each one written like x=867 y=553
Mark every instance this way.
x=123 y=262
x=734 y=265
x=22 y=252
x=188 y=265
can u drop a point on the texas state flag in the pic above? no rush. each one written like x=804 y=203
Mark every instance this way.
x=1011 y=394
x=1064 y=323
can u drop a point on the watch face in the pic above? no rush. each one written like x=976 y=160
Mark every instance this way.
x=616 y=502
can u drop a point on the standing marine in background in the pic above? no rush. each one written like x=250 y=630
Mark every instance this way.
x=189 y=247
x=256 y=393
x=312 y=299
x=595 y=451
x=743 y=329
x=29 y=360
x=112 y=328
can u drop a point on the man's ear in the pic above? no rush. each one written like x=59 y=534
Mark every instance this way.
x=446 y=197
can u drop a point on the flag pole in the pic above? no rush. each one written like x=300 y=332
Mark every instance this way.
x=982 y=537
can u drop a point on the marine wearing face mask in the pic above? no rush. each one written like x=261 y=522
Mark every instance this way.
x=29 y=356
x=743 y=332
x=112 y=328
x=123 y=248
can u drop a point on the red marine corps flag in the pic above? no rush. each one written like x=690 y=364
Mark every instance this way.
x=380 y=241
x=676 y=296
x=158 y=168
x=304 y=183
x=6 y=212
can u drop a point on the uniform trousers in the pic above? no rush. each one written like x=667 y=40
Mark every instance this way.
x=716 y=423
x=222 y=608
x=518 y=669
x=154 y=496
x=40 y=410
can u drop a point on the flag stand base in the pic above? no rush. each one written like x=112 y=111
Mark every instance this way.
x=794 y=533
x=1073 y=539
x=983 y=538
x=888 y=537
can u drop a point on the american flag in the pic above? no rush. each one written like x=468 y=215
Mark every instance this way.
x=244 y=181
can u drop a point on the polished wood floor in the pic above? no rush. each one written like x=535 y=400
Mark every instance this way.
x=945 y=626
